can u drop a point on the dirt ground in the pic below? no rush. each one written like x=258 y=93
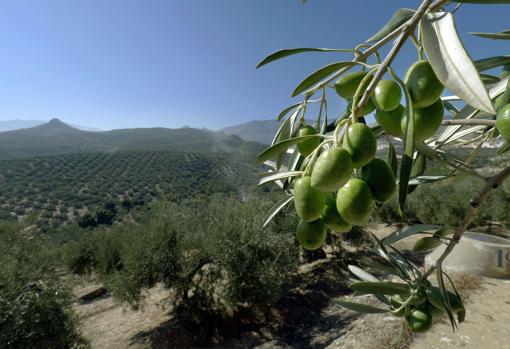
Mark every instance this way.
x=307 y=317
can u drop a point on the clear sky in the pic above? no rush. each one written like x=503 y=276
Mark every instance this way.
x=136 y=63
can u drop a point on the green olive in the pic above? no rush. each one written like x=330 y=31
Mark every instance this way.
x=387 y=95
x=311 y=235
x=423 y=84
x=360 y=142
x=332 y=170
x=354 y=202
x=309 y=202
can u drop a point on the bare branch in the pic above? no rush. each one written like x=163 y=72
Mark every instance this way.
x=491 y=184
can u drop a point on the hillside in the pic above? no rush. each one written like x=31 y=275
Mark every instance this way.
x=64 y=187
x=56 y=137
x=261 y=131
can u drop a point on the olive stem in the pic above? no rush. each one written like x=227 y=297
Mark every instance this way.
x=313 y=156
x=474 y=205
x=472 y=122
x=406 y=303
x=405 y=31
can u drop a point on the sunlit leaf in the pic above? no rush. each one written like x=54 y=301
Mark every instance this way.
x=292 y=51
x=277 y=208
x=380 y=287
x=494 y=36
x=271 y=177
x=399 y=17
x=282 y=146
x=426 y=179
x=319 y=75
x=491 y=62
x=362 y=308
x=450 y=61
x=408 y=231
x=362 y=274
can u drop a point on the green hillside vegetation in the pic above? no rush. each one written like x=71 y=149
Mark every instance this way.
x=62 y=189
x=55 y=137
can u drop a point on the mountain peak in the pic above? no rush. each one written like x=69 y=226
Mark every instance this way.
x=56 y=122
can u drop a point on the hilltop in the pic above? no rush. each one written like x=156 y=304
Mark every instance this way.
x=56 y=137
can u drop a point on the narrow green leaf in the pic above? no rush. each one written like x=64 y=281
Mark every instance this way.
x=408 y=231
x=399 y=17
x=504 y=99
x=277 y=208
x=493 y=36
x=489 y=79
x=362 y=274
x=361 y=308
x=419 y=167
x=287 y=110
x=504 y=148
x=425 y=179
x=392 y=158
x=407 y=157
x=282 y=146
x=319 y=75
x=292 y=51
x=426 y=244
x=273 y=176
x=491 y=62
x=380 y=287
x=450 y=61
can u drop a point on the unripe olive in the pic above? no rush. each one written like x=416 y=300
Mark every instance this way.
x=309 y=202
x=380 y=178
x=419 y=319
x=307 y=147
x=426 y=121
x=311 y=235
x=332 y=170
x=390 y=121
x=423 y=84
x=387 y=95
x=333 y=219
x=360 y=142
x=503 y=122
x=347 y=85
x=354 y=202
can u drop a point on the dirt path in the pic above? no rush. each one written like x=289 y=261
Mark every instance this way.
x=107 y=324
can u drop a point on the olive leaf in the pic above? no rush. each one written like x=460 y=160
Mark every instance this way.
x=362 y=308
x=419 y=167
x=489 y=79
x=362 y=274
x=491 y=62
x=408 y=231
x=504 y=35
x=425 y=179
x=287 y=110
x=399 y=17
x=407 y=157
x=450 y=61
x=282 y=146
x=277 y=208
x=274 y=176
x=392 y=159
x=380 y=287
x=292 y=51
x=319 y=75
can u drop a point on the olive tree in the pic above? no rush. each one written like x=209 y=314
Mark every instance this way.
x=329 y=169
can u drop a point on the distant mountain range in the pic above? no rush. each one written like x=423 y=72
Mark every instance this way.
x=261 y=131
x=16 y=124
x=56 y=137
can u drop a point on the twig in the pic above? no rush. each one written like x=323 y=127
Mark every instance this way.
x=471 y=122
x=405 y=31
x=491 y=184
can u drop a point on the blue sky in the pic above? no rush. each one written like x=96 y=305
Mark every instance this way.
x=133 y=63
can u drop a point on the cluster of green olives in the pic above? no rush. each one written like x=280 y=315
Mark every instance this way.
x=331 y=197
x=423 y=306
